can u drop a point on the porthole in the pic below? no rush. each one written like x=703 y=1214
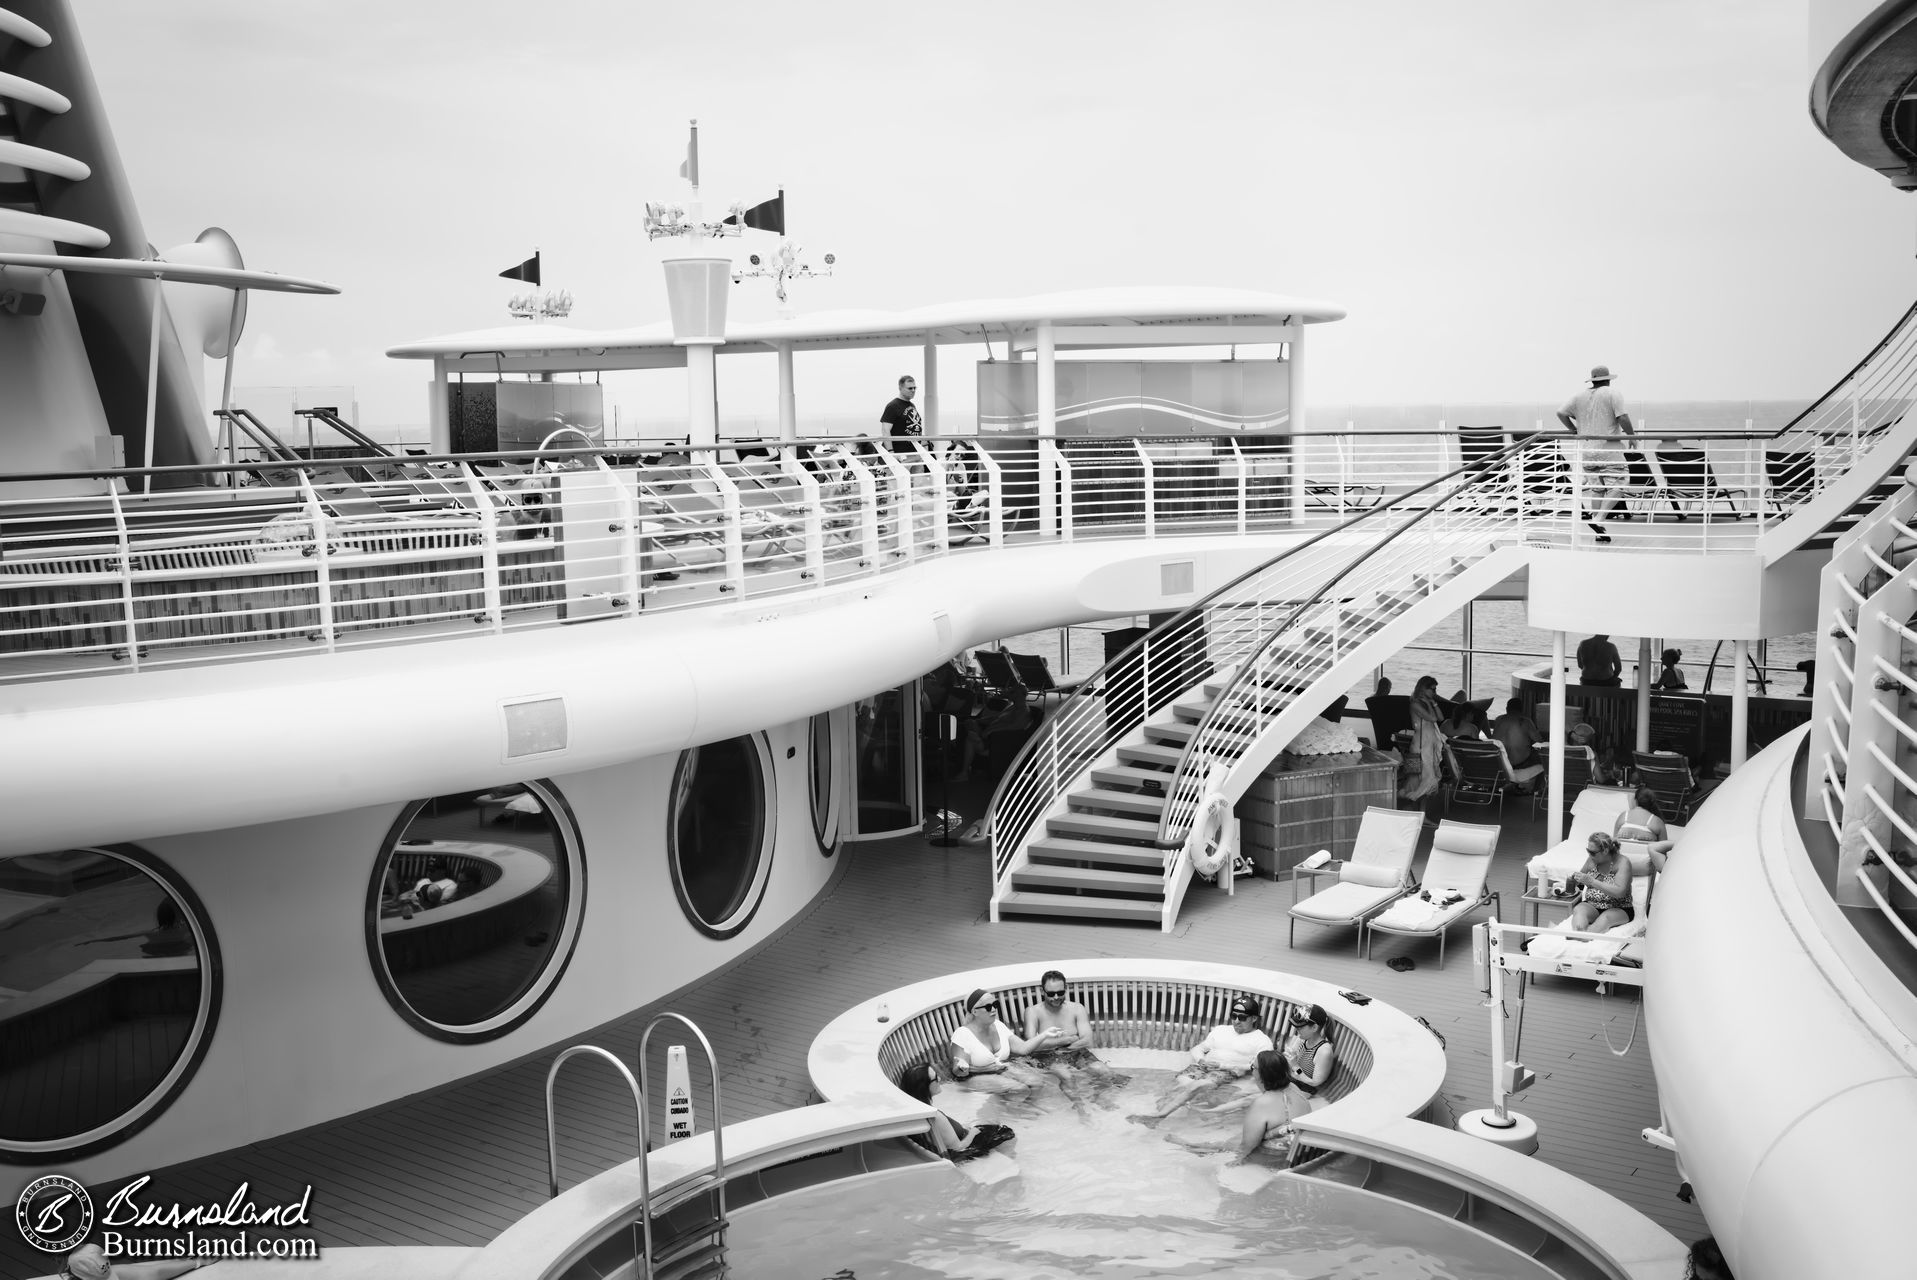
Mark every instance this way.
x=821 y=778
x=113 y=982
x=719 y=832
x=474 y=909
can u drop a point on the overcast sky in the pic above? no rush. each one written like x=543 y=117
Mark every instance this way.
x=1500 y=193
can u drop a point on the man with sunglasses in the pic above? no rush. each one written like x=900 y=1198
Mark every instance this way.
x=1222 y=1057
x=1059 y=1029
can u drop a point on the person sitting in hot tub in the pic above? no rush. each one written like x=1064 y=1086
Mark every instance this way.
x=947 y=1137
x=1224 y=1056
x=983 y=1045
x=1266 y=1133
x=1308 y=1053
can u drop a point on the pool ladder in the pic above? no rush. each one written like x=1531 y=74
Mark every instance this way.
x=694 y=1245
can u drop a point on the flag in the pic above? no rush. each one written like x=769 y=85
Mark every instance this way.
x=690 y=169
x=769 y=216
x=527 y=270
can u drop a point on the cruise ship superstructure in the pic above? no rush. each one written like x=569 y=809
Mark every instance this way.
x=376 y=770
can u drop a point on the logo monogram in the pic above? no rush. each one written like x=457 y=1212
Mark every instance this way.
x=54 y=1214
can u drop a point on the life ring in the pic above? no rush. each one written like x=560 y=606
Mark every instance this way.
x=1208 y=843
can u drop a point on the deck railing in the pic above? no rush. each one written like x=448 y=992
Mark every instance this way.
x=278 y=557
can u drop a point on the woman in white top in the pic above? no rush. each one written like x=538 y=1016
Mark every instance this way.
x=982 y=1044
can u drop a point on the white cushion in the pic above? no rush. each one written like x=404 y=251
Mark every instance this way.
x=1371 y=877
x=1343 y=903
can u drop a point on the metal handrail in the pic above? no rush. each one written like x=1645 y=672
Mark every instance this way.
x=718 y=1116
x=642 y=1246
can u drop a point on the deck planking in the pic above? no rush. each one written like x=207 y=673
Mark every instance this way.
x=458 y=1164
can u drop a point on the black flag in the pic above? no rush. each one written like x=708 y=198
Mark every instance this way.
x=527 y=270
x=769 y=216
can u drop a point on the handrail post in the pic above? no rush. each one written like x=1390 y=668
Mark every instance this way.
x=129 y=610
x=1244 y=486
x=489 y=548
x=718 y=1113
x=813 y=517
x=323 y=560
x=643 y=1262
x=994 y=497
x=941 y=515
x=629 y=527
x=868 y=510
x=1151 y=489
x=733 y=508
x=1061 y=469
x=904 y=533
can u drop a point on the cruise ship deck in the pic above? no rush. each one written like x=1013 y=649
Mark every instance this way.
x=455 y=1166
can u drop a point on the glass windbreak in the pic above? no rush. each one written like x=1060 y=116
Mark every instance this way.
x=102 y=986
x=472 y=900
x=819 y=776
x=719 y=808
x=886 y=740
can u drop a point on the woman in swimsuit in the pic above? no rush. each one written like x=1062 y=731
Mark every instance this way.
x=947 y=1137
x=1644 y=823
x=1266 y=1133
x=1307 y=1053
x=983 y=1045
x=1605 y=881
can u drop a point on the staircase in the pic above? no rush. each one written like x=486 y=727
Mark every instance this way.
x=1107 y=804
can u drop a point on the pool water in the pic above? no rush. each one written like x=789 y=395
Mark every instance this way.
x=1084 y=1193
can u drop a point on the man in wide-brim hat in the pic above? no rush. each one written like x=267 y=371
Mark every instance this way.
x=1597 y=414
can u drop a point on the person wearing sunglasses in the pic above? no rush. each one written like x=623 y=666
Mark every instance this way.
x=983 y=1045
x=1060 y=1029
x=1221 y=1058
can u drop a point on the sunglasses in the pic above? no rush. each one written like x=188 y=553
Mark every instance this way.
x=1054 y=995
x=986 y=1004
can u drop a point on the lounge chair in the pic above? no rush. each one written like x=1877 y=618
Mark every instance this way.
x=1377 y=873
x=1000 y=677
x=1455 y=876
x=1580 y=771
x=1789 y=476
x=1390 y=716
x=1036 y=675
x=1688 y=479
x=1669 y=776
x=1482 y=771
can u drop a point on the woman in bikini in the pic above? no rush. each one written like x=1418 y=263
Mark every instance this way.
x=1643 y=822
x=1266 y=1133
x=947 y=1137
x=1605 y=884
x=1308 y=1053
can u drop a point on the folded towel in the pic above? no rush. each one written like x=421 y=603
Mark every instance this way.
x=1410 y=913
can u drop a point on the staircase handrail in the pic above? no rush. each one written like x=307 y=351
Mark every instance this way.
x=1007 y=836
x=1181 y=799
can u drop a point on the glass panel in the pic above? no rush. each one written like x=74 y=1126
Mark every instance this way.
x=887 y=757
x=821 y=778
x=472 y=902
x=719 y=813
x=101 y=985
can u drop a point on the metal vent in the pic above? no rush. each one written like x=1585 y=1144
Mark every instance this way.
x=1175 y=578
x=535 y=727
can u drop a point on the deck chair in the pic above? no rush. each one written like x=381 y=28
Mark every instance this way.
x=1459 y=864
x=1377 y=873
x=1669 y=777
x=1390 y=716
x=1789 y=476
x=1580 y=771
x=1688 y=478
x=1482 y=772
x=1036 y=675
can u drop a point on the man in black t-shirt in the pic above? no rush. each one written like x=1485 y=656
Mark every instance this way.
x=901 y=417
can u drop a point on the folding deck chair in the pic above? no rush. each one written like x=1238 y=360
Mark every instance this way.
x=1688 y=478
x=1482 y=772
x=1036 y=675
x=1459 y=864
x=1670 y=778
x=1377 y=873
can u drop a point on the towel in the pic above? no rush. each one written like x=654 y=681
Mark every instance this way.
x=1410 y=913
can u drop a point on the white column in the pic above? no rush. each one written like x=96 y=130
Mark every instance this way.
x=702 y=393
x=929 y=383
x=1296 y=338
x=1740 y=703
x=1554 y=815
x=788 y=395
x=439 y=415
x=1047 y=427
x=1644 y=693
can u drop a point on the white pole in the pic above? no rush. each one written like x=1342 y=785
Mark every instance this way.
x=1296 y=339
x=929 y=380
x=153 y=380
x=1740 y=703
x=788 y=395
x=702 y=393
x=1644 y=693
x=439 y=414
x=1047 y=428
x=1554 y=817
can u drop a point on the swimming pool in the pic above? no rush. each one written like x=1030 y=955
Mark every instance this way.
x=1087 y=1194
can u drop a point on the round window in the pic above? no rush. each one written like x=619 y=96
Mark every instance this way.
x=474 y=908
x=112 y=982
x=825 y=815
x=722 y=803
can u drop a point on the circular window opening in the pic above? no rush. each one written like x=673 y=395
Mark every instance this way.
x=474 y=909
x=721 y=803
x=825 y=818
x=113 y=986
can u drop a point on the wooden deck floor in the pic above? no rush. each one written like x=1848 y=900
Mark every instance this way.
x=456 y=1165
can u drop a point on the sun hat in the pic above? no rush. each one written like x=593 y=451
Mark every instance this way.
x=1600 y=373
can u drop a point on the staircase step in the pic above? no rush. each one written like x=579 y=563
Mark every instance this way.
x=1100 y=827
x=1150 y=753
x=1131 y=775
x=1044 y=875
x=1181 y=733
x=1072 y=904
x=1065 y=849
x=1192 y=712
x=1121 y=801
